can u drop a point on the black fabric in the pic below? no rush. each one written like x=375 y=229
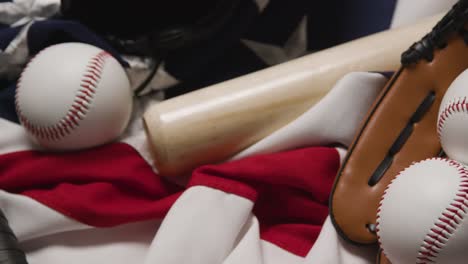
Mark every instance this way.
x=7 y=104
x=42 y=34
x=224 y=56
x=130 y=18
x=219 y=58
x=333 y=22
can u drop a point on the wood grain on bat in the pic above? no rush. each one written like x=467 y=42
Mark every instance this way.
x=214 y=123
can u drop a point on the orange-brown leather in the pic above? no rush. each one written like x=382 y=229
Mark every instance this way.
x=354 y=203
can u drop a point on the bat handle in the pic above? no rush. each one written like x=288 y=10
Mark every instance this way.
x=10 y=252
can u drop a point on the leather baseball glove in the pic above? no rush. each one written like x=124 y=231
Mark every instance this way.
x=400 y=127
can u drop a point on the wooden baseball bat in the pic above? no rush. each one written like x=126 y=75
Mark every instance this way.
x=214 y=123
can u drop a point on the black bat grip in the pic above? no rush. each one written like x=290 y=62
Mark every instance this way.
x=10 y=253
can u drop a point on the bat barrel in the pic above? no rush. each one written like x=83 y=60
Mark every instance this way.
x=212 y=124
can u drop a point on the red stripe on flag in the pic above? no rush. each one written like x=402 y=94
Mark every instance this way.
x=290 y=191
x=103 y=186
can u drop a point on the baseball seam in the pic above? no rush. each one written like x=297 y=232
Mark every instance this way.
x=78 y=109
x=457 y=106
x=445 y=225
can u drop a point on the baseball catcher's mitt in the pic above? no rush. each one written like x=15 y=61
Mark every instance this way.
x=401 y=126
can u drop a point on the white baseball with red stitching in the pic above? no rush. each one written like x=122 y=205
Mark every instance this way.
x=73 y=96
x=421 y=217
x=452 y=124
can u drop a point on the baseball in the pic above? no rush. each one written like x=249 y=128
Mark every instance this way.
x=452 y=124
x=421 y=215
x=73 y=96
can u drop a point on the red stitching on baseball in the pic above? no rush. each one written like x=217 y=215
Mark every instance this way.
x=456 y=106
x=79 y=107
x=377 y=223
x=446 y=224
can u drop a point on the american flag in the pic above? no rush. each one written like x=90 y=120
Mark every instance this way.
x=108 y=204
